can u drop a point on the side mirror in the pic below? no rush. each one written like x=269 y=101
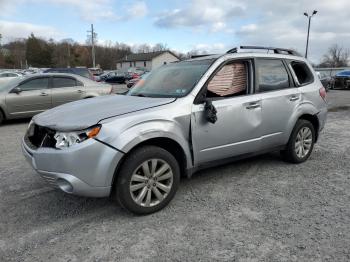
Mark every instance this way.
x=16 y=90
x=210 y=112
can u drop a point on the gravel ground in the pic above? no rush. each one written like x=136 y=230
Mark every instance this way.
x=260 y=209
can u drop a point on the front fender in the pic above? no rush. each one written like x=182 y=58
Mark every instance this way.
x=133 y=135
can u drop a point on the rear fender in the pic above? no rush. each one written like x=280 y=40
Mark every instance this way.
x=306 y=108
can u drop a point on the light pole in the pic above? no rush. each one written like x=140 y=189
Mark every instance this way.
x=308 y=29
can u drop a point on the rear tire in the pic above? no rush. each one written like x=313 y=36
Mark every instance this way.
x=147 y=180
x=301 y=142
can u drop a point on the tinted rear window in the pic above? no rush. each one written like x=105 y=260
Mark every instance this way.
x=63 y=82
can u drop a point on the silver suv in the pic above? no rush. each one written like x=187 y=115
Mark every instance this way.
x=183 y=117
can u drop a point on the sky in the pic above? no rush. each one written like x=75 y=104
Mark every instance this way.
x=213 y=26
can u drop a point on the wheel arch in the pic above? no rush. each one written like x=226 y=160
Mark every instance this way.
x=165 y=143
x=314 y=121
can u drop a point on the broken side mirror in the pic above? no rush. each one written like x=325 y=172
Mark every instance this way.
x=210 y=112
x=16 y=90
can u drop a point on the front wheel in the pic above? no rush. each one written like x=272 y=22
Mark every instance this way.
x=301 y=142
x=148 y=180
x=2 y=117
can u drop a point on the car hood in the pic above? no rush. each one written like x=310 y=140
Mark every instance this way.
x=82 y=114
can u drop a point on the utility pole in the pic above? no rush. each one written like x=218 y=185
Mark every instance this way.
x=93 y=36
x=68 y=49
x=308 y=30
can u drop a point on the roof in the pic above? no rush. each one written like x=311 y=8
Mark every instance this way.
x=143 y=56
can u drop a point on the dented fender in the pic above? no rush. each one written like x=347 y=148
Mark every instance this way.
x=132 y=131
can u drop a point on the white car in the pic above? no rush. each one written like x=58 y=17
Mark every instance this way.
x=9 y=74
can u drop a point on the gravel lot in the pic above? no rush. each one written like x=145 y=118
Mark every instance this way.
x=260 y=209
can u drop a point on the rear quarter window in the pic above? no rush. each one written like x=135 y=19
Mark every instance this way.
x=302 y=72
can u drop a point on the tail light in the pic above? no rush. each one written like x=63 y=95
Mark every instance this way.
x=323 y=93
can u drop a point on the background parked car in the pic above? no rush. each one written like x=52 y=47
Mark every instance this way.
x=26 y=96
x=82 y=71
x=10 y=74
x=96 y=72
x=130 y=83
x=342 y=80
x=117 y=77
x=326 y=80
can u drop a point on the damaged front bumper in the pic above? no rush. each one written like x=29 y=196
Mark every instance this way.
x=86 y=169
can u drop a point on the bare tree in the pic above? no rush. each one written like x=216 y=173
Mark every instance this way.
x=159 y=47
x=144 y=48
x=337 y=56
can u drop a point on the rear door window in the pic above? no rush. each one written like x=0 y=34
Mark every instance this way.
x=272 y=75
x=302 y=72
x=63 y=82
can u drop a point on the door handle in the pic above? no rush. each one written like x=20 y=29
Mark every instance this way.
x=294 y=98
x=80 y=91
x=44 y=94
x=252 y=105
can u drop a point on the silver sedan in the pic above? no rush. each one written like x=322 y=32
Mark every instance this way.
x=26 y=96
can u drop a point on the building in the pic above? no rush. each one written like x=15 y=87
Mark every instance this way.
x=147 y=61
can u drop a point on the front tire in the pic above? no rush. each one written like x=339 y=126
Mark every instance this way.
x=301 y=142
x=148 y=180
x=2 y=117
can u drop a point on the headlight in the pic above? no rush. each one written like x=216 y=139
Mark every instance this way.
x=67 y=139
x=30 y=129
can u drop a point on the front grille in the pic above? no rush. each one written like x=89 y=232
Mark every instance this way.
x=41 y=137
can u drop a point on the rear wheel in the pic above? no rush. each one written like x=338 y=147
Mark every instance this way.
x=301 y=142
x=148 y=180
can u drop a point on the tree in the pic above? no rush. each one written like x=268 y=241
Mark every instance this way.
x=337 y=56
x=144 y=48
x=38 y=52
x=160 y=47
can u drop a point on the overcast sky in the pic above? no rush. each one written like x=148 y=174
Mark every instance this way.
x=210 y=25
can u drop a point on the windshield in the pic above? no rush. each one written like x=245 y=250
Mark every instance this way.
x=173 y=80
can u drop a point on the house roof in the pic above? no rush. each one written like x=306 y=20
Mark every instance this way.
x=143 y=56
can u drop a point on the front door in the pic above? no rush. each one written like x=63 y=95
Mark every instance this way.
x=33 y=97
x=237 y=129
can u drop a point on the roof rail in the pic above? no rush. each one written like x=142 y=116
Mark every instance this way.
x=197 y=56
x=233 y=50
x=276 y=50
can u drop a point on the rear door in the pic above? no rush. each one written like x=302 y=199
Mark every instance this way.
x=66 y=89
x=34 y=97
x=280 y=99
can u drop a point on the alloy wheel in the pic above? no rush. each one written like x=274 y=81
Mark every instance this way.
x=303 y=142
x=151 y=182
